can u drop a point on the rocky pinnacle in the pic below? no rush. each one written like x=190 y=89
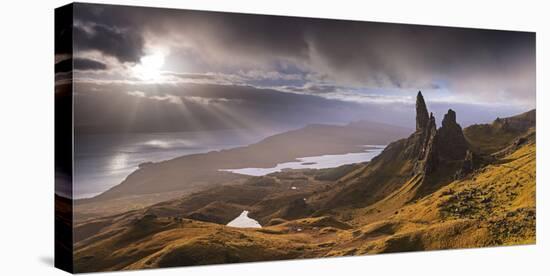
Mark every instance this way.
x=422 y=116
x=436 y=146
x=449 y=120
x=453 y=144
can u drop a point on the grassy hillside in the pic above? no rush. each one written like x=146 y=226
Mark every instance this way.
x=494 y=206
x=373 y=208
x=490 y=138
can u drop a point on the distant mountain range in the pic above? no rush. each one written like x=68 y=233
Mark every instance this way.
x=172 y=178
x=441 y=187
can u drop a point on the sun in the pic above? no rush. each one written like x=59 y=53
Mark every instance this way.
x=149 y=67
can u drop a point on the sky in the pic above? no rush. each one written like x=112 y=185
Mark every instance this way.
x=146 y=69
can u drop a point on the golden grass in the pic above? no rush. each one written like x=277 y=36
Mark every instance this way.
x=495 y=205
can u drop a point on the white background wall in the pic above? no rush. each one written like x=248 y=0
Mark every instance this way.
x=26 y=136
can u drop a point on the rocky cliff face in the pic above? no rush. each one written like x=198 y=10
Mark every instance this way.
x=453 y=145
x=437 y=146
x=422 y=118
x=427 y=155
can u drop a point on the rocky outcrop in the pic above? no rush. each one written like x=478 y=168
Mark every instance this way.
x=427 y=152
x=422 y=119
x=431 y=149
x=418 y=164
x=435 y=147
x=452 y=144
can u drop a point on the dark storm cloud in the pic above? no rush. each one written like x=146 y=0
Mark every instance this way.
x=124 y=45
x=108 y=30
x=363 y=50
x=467 y=64
x=379 y=54
x=88 y=64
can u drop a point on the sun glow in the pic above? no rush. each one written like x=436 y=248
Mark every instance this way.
x=149 y=67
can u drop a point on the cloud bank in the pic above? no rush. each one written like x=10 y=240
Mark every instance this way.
x=365 y=64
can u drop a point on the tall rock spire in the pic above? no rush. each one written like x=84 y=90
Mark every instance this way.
x=422 y=116
x=449 y=120
x=453 y=143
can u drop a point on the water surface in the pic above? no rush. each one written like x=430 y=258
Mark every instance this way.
x=316 y=162
x=104 y=160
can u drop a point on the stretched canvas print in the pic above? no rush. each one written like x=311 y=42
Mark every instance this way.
x=189 y=138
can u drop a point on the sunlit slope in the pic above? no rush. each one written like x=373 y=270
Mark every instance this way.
x=490 y=138
x=493 y=206
x=386 y=205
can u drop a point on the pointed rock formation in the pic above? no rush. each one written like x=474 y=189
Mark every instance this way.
x=432 y=151
x=419 y=164
x=422 y=118
x=452 y=144
x=426 y=154
x=436 y=146
x=449 y=120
